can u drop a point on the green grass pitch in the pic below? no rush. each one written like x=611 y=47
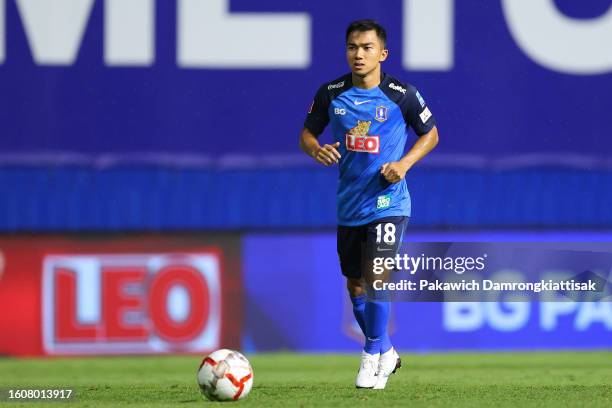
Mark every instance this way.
x=319 y=380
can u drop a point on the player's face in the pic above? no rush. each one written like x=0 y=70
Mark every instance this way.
x=364 y=51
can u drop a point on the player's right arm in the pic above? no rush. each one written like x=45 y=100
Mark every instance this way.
x=326 y=154
x=316 y=121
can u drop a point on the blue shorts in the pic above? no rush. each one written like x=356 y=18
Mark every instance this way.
x=358 y=246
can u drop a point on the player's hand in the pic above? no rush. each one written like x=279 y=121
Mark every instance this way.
x=327 y=154
x=393 y=171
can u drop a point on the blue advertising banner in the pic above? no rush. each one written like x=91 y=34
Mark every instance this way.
x=296 y=299
x=228 y=77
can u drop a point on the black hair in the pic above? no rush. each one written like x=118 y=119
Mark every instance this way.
x=367 y=25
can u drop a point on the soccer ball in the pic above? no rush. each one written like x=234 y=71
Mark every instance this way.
x=225 y=375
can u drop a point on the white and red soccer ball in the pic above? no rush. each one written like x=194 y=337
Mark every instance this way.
x=225 y=375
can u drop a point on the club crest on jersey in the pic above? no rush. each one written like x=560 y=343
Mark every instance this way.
x=381 y=113
x=358 y=140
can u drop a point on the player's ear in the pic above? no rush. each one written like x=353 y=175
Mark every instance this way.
x=383 y=55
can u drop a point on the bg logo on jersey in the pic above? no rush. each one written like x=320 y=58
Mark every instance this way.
x=358 y=140
x=131 y=303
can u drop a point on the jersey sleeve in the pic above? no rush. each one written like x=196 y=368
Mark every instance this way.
x=318 y=115
x=416 y=112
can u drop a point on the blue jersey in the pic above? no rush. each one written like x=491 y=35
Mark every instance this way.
x=372 y=127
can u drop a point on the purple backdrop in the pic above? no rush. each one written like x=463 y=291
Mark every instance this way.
x=494 y=101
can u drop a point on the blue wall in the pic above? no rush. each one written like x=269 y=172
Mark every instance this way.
x=148 y=198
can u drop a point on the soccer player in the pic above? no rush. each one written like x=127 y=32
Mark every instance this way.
x=369 y=112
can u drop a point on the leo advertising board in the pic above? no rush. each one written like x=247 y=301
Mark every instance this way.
x=113 y=296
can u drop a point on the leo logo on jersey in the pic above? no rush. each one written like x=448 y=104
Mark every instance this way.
x=358 y=140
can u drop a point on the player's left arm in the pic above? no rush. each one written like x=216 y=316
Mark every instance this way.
x=417 y=116
x=395 y=171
